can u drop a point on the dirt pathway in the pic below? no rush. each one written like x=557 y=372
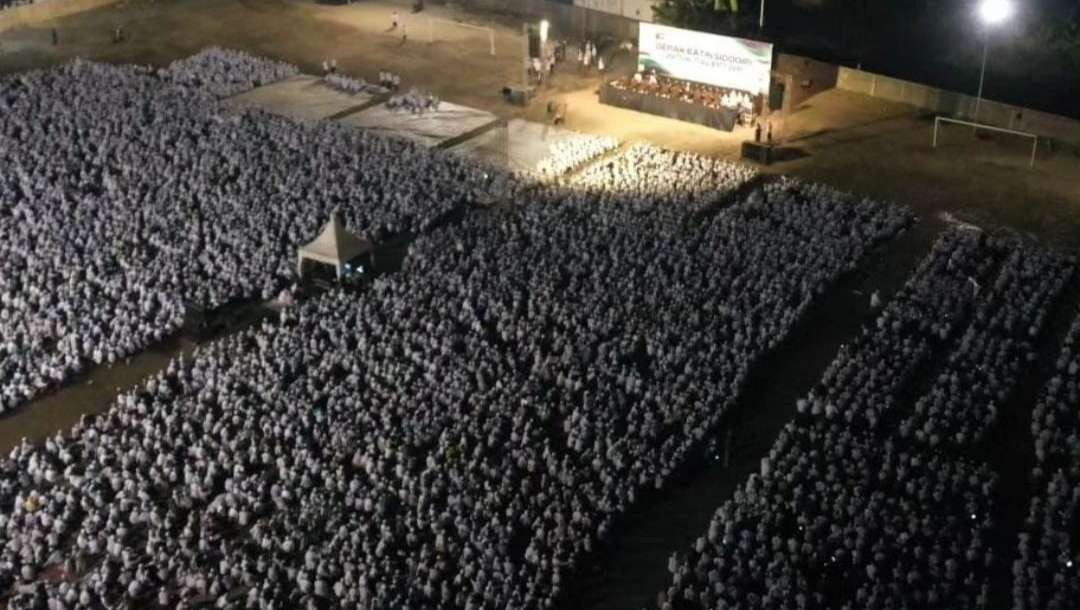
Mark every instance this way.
x=1010 y=449
x=95 y=391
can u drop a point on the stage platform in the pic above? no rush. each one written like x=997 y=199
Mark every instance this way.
x=303 y=98
x=722 y=119
x=431 y=128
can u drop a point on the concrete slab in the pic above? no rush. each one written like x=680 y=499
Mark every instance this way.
x=301 y=98
x=529 y=144
x=429 y=128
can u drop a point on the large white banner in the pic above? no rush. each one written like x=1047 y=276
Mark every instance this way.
x=723 y=61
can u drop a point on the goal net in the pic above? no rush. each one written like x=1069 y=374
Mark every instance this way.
x=986 y=142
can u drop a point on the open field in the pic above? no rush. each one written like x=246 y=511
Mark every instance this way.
x=849 y=141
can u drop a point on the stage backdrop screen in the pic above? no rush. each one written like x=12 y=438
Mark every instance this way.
x=723 y=61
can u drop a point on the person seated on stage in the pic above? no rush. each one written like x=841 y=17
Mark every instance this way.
x=652 y=79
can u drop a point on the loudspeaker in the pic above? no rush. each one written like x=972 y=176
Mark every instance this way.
x=757 y=151
x=518 y=95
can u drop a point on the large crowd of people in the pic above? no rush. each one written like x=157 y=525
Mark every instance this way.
x=1046 y=570
x=225 y=72
x=700 y=94
x=846 y=511
x=650 y=180
x=415 y=101
x=995 y=348
x=129 y=196
x=353 y=85
x=466 y=432
x=574 y=151
x=462 y=434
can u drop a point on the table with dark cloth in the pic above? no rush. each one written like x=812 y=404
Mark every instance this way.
x=716 y=118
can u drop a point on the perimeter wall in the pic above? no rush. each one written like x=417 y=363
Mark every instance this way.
x=567 y=20
x=959 y=105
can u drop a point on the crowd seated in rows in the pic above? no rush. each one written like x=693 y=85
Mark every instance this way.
x=131 y=197
x=463 y=433
x=848 y=513
x=1045 y=570
x=574 y=151
x=701 y=94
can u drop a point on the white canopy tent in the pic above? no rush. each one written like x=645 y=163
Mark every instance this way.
x=334 y=246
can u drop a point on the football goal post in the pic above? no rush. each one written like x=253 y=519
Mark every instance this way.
x=977 y=126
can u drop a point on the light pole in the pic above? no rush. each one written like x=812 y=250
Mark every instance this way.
x=991 y=13
x=761 y=17
x=525 y=56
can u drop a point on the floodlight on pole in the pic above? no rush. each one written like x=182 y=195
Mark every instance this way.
x=544 y=26
x=991 y=13
x=994 y=12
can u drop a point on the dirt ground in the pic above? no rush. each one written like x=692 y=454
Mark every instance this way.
x=850 y=141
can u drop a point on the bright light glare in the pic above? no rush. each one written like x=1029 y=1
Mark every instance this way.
x=994 y=12
x=544 y=25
